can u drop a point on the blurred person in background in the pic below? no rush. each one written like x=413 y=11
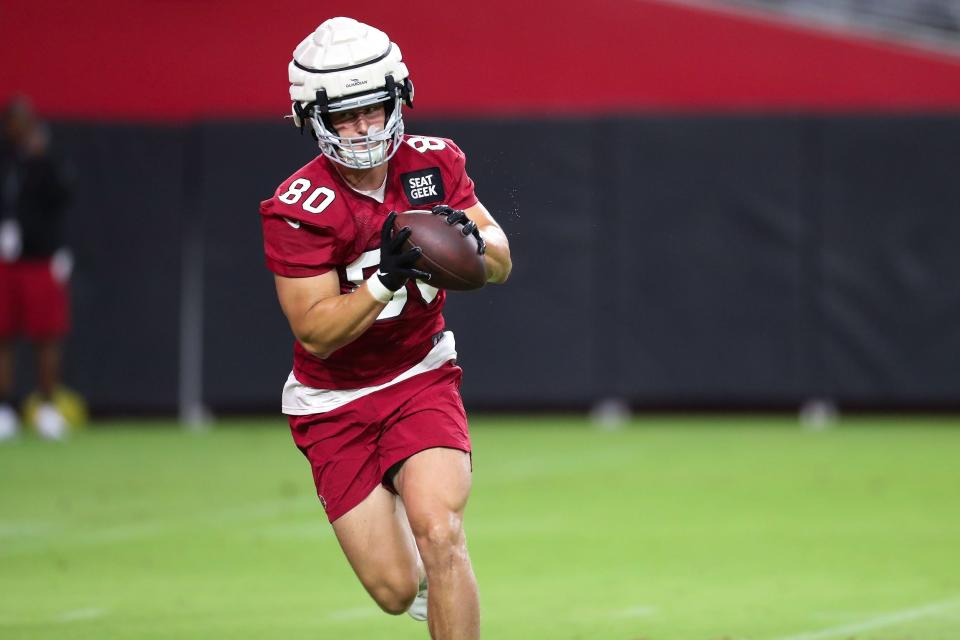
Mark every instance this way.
x=34 y=265
x=373 y=400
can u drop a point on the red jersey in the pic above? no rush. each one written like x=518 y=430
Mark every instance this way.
x=316 y=222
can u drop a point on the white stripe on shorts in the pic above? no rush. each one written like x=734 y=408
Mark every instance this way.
x=300 y=400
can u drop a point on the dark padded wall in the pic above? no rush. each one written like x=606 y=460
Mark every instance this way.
x=710 y=260
x=746 y=261
x=890 y=220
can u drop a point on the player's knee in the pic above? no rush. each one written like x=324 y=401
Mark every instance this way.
x=440 y=537
x=394 y=597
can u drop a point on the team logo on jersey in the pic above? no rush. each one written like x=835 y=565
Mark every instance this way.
x=423 y=187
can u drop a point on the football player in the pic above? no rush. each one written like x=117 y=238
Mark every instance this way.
x=373 y=399
x=34 y=265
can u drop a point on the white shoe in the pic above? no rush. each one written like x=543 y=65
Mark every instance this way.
x=418 y=610
x=50 y=423
x=9 y=424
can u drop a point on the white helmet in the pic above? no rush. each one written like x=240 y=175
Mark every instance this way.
x=344 y=65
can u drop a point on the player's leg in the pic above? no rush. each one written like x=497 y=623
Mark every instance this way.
x=9 y=424
x=427 y=438
x=6 y=369
x=48 y=367
x=435 y=485
x=49 y=421
x=378 y=543
x=341 y=446
x=10 y=312
x=47 y=310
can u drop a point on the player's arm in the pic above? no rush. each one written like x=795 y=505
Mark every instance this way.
x=497 y=254
x=491 y=239
x=323 y=319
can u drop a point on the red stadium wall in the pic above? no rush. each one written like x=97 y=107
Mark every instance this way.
x=161 y=60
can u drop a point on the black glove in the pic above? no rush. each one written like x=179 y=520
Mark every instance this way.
x=396 y=265
x=457 y=216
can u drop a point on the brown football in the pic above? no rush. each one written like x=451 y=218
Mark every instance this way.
x=450 y=257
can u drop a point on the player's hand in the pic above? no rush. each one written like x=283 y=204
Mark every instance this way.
x=397 y=265
x=457 y=216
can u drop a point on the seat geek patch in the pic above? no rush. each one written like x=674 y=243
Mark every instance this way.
x=423 y=186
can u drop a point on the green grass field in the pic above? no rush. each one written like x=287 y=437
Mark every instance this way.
x=670 y=529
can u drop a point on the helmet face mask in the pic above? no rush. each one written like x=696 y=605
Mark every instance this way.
x=342 y=66
x=363 y=151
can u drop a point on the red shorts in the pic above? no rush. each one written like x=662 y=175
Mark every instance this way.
x=32 y=302
x=351 y=448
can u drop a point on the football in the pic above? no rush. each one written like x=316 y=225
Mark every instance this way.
x=449 y=257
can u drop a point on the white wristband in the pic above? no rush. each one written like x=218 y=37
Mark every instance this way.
x=377 y=289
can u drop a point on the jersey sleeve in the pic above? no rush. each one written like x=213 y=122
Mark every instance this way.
x=462 y=195
x=295 y=249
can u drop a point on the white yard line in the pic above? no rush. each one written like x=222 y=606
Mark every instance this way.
x=64 y=617
x=885 y=620
x=60 y=538
x=637 y=612
x=22 y=529
x=77 y=615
